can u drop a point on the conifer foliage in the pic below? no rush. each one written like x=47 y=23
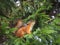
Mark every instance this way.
x=36 y=21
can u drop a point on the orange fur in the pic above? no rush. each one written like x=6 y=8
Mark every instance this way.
x=19 y=24
x=25 y=29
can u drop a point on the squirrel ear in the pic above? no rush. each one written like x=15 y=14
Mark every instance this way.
x=30 y=21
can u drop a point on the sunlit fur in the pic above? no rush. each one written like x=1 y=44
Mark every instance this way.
x=25 y=29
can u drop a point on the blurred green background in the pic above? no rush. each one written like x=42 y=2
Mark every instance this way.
x=46 y=13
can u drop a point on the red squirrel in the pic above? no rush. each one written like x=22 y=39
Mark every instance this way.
x=24 y=29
